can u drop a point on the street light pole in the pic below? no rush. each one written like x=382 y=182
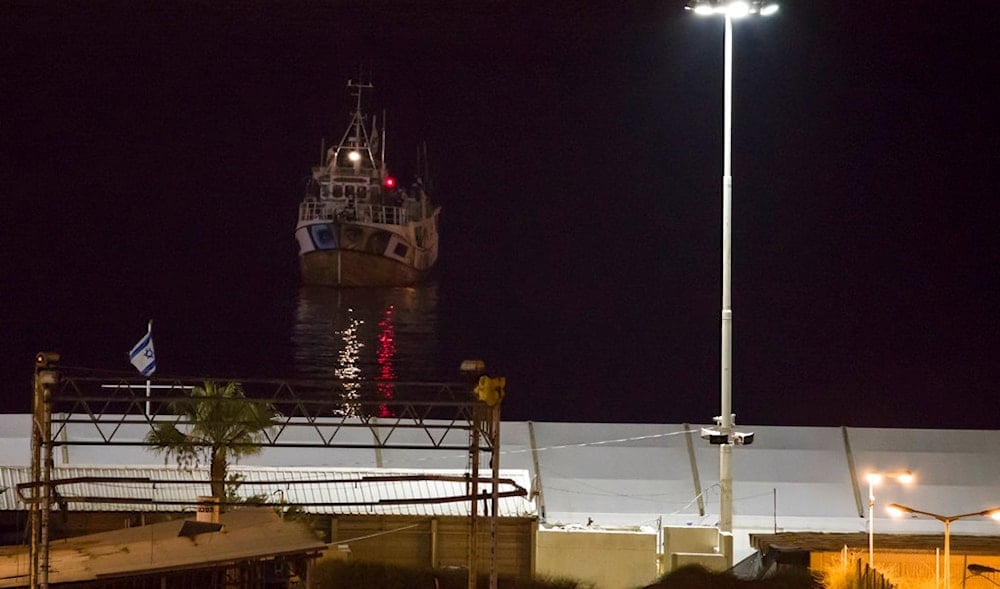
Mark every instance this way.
x=874 y=478
x=897 y=509
x=724 y=434
x=726 y=412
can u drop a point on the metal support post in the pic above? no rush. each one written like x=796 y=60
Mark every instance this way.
x=473 y=489
x=495 y=482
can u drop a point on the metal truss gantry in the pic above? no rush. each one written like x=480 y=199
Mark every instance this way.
x=80 y=410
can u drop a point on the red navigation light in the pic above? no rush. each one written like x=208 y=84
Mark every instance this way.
x=389 y=182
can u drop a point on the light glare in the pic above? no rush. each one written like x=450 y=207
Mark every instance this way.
x=354 y=155
x=903 y=476
x=737 y=9
x=700 y=7
x=732 y=8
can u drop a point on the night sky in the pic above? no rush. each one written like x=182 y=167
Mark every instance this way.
x=577 y=150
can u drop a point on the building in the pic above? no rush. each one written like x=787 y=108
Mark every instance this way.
x=178 y=553
x=643 y=477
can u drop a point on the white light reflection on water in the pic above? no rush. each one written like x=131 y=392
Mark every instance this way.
x=385 y=335
x=347 y=369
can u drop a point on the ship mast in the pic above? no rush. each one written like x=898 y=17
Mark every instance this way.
x=356 y=138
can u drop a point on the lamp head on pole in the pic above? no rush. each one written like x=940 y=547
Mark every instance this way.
x=903 y=476
x=895 y=509
x=732 y=8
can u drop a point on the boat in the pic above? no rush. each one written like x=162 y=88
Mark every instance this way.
x=356 y=225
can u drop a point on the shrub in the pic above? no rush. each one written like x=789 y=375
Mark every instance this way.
x=347 y=574
x=697 y=577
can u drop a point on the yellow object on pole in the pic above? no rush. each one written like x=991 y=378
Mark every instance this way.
x=490 y=389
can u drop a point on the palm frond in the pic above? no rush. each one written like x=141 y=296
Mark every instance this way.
x=219 y=421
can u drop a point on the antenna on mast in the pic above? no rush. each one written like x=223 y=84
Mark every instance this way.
x=382 y=142
x=423 y=166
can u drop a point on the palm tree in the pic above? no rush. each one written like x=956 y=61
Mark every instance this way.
x=218 y=422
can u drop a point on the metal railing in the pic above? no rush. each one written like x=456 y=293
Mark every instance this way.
x=865 y=577
x=317 y=210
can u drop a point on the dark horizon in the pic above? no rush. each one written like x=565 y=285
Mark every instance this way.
x=154 y=156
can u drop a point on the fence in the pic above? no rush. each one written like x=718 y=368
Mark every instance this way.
x=867 y=578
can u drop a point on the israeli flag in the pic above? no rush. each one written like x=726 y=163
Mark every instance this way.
x=142 y=355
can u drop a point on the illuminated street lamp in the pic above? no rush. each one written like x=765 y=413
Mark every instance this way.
x=724 y=435
x=898 y=510
x=874 y=479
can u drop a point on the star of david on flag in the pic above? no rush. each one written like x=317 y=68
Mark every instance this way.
x=142 y=355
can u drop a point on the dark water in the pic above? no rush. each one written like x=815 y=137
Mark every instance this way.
x=218 y=322
x=571 y=349
x=563 y=358
x=283 y=331
x=367 y=333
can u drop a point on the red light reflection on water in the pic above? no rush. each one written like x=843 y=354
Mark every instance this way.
x=386 y=350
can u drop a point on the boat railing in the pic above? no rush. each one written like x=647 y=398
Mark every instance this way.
x=388 y=215
x=315 y=210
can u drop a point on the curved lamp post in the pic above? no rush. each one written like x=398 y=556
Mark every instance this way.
x=724 y=435
x=874 y=479
x=982 y=570
x=897 y=510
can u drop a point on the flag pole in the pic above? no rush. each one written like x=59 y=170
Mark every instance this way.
x=149 y=330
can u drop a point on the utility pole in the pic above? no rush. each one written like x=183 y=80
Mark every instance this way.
x=41 y=467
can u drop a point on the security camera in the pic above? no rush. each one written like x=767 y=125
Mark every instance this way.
x=714 y=436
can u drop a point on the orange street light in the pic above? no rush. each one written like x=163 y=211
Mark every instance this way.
x=898 y=510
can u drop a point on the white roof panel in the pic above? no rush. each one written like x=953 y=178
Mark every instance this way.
x=791 y=478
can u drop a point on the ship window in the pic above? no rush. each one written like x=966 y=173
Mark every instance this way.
x=338 y=191
x=362 y=192
x=400 y=250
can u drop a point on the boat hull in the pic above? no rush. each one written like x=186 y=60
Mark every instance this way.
x=335 y=253
x=352 y=268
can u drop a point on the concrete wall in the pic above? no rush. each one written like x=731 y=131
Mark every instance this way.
x=690 y=539
x=422 y=542
x=684 y=545
x=607 y=559
x=712 y=562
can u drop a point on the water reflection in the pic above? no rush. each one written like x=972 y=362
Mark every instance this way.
x=347 y=369
x=385 y=335
x=385 y=354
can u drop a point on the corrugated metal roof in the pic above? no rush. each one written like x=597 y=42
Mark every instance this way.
x=159 y=547
x=317 y=490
